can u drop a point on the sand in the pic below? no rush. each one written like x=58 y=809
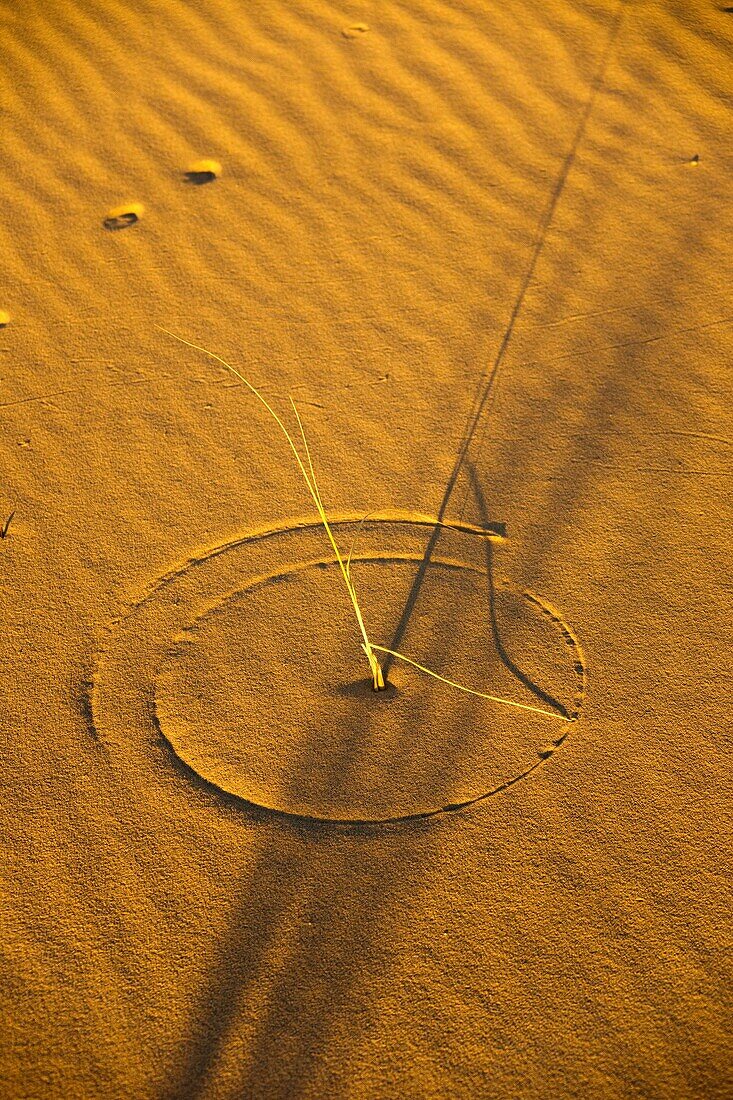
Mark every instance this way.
x=486 y=247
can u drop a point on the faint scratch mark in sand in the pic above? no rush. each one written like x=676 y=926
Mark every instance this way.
x=41 y=398
x=695 y=435
x=593 y=313
x=263 y=389
x=38 y=397
x=624 y=470
x=585 y=352
x=681 y=473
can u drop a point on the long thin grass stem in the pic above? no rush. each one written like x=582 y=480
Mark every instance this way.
x=310 y=479
x=472 y=691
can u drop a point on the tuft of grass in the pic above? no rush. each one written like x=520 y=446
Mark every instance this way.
x=305 y=465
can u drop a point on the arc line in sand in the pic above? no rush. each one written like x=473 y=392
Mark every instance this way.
x=100 y=703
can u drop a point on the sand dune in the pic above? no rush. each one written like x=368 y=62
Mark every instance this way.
x=486 y=248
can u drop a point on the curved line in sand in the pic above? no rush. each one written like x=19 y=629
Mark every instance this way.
x=401 y=518
x=408 y=519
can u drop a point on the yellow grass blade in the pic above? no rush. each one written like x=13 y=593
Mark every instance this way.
x=312 y=484
x=471 y=691
x=356 y=536
x=252 y=389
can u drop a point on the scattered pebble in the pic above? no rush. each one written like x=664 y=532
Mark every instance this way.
x=203 y=171
x=128 y=213
x=355 y=30
x=4 y=318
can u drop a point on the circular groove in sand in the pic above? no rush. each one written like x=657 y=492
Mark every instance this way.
x=146 y=677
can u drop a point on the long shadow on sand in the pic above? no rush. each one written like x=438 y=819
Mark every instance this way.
x=321 y=906
x=323 y=910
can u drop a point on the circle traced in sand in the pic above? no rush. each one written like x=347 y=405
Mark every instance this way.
x=247 y=661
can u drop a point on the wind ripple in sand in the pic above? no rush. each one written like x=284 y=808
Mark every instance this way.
x=378 y=163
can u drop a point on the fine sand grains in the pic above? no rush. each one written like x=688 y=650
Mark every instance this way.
x=477 y=230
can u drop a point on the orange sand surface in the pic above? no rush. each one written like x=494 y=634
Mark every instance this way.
x=486 y=247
